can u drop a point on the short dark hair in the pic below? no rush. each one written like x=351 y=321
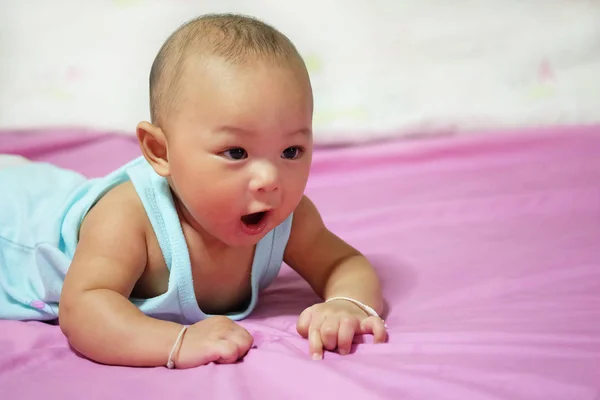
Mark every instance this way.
x=233 y=37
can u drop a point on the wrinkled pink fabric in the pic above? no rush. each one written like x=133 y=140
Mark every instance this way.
x=488 y=247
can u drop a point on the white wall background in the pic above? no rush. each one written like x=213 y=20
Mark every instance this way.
x=379 y=67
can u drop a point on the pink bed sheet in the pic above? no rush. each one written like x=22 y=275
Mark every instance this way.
x=489 y=248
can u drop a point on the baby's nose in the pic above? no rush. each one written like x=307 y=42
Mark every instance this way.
x=268 y=186
x=265 y=178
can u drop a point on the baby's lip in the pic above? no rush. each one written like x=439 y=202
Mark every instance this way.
x=261 y=210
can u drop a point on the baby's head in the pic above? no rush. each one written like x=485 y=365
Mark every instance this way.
x=231 y=129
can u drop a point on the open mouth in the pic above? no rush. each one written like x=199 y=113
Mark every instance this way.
x=255 y=223
x=254 y=219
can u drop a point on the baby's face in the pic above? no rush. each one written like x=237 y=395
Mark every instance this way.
x=240 y=148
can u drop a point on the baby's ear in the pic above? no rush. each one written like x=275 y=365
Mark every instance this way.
x=153 y=144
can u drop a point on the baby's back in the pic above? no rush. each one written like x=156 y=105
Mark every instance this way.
x=34 y=199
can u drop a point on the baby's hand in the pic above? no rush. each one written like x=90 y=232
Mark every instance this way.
x=333 y=325
x=215 y=339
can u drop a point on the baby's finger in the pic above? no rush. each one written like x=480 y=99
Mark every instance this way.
x=315 y=344
x=329 y=332
x=228 y=352
x=348 y=327
x=379 y=331
x=375 y=326
x=243 y=340
x=304 y=322
x=314 y=340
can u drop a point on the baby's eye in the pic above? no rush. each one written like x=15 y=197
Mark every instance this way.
x=291 y=153
x=236 y=153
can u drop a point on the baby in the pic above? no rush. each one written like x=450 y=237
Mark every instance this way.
x=153 y=263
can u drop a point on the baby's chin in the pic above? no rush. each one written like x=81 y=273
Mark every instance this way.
x=242 y=240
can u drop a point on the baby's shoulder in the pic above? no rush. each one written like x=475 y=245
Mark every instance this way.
x=123 y=194
x=120 y=202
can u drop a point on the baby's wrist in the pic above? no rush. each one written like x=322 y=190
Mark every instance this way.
x=175 y=350
x=364 y=307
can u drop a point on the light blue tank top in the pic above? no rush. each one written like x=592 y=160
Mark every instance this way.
x=39 y=225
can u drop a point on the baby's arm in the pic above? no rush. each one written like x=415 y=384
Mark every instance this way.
x=95 y=312
x=333 y=269
x=331 y=266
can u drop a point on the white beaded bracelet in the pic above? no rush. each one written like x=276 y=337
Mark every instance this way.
x=170 y=363
x=364 y=307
